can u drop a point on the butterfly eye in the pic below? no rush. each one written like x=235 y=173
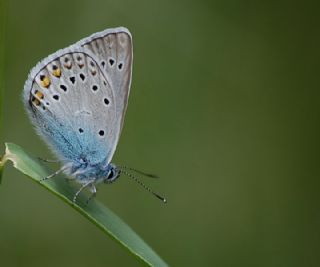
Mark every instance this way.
x=110 y=174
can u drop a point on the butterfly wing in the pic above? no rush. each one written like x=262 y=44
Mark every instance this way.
x=73 y=106
x=77 y=97
x=113 y=49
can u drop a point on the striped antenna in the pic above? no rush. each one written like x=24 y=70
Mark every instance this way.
x=142 y=184
x=140 y=172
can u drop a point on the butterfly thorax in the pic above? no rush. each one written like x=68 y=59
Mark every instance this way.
x=84 y=172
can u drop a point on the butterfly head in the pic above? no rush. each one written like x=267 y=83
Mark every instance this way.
x=112 y=175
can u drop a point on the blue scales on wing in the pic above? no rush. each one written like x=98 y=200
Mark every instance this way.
x=73 y=107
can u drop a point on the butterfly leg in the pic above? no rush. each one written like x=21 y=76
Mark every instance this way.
x=54 y=174
x=81 y=188
x=48 y=160
x=93 y=191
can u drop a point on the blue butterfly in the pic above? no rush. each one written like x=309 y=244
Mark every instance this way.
x=77 y=98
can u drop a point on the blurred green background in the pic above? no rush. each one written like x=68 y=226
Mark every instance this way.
x=224 y=107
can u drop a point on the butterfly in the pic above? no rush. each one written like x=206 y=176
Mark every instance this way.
x=77 y=98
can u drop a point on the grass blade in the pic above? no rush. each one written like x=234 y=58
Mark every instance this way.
x=96 y=212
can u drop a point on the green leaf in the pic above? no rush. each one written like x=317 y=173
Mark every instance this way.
x=96 y=212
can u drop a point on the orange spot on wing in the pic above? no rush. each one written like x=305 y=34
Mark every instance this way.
x=45 y=81
x=57 y=72
x=68 y=65
x=39 y=94
x=36 y=101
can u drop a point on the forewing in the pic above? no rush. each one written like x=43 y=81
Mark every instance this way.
x=113 y=49
x=72 y=105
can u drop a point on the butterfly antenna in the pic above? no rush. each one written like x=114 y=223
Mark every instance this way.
x=140 y=172
x=143 y=185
